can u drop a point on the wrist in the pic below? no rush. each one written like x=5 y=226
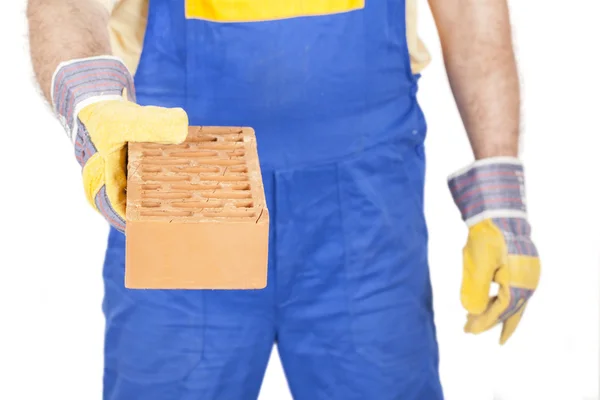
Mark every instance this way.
x=490 y=188
x=509 y=150
x=80 y=82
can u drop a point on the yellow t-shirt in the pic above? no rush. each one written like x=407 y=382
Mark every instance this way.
x=128 y=24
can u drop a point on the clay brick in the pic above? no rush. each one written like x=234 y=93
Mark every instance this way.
x=196 y=213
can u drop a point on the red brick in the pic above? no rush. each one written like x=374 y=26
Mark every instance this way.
x=196 y=213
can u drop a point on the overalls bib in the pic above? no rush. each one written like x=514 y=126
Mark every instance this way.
x=328 y=88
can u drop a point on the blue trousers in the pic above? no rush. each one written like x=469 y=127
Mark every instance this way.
x=348 y=299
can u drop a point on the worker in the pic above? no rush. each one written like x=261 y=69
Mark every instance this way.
x=330 y=88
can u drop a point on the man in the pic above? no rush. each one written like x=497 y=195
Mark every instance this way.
x=330 y=88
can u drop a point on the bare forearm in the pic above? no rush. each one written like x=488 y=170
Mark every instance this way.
x=478 y=53
x=61 y=30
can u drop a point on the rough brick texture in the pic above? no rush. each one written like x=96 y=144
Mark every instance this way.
x=196 y=213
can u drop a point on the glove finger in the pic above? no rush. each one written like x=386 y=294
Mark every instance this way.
x=113 y=123
x=495 y=308
x=94 y=174
x=112 y=200
x=511 y=323
x=157 y=125
x=93 y=177
x=479 y=266
x=524 y=276
x=105 y=207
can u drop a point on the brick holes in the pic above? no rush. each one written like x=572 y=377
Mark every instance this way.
x=207 y=176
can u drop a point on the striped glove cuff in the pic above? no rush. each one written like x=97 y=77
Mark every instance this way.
x=81 y=82
x=490 y=188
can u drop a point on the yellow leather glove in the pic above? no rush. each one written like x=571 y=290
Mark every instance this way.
x=491 y=197
x=94 y=99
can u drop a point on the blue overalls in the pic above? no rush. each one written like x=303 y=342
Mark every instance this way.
x=340 y=137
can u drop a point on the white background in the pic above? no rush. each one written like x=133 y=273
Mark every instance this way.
x=51 y=325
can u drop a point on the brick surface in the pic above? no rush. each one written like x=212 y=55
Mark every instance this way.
x=196 y=213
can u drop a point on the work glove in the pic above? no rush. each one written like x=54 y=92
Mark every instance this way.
x=491 y=197
x=94 y=98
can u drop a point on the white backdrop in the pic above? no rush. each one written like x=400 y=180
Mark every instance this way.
x=52 y=247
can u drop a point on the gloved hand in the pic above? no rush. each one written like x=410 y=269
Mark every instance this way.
x=95 y=100
x=491 y=197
